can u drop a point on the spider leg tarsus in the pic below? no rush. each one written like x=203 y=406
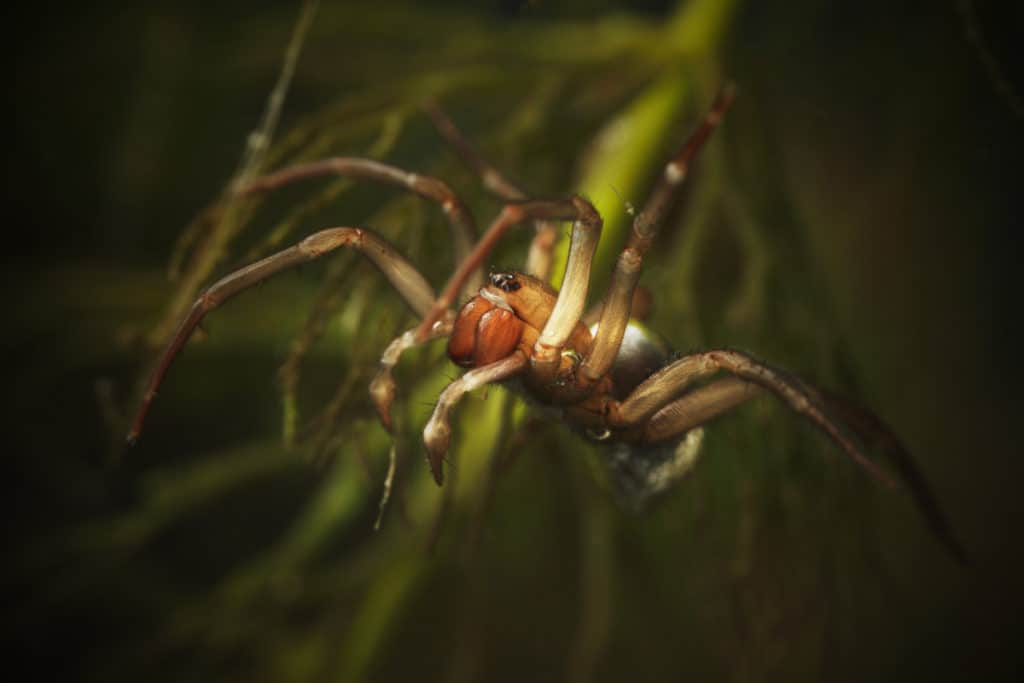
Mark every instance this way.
x=437 y=437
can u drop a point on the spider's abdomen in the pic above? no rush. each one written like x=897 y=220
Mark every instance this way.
x=483 y=333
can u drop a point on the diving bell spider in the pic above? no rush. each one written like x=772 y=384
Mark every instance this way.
x=608 y=380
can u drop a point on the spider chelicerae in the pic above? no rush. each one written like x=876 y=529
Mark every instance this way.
x=596 y=371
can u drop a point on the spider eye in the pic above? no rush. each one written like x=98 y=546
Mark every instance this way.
x=506 y=282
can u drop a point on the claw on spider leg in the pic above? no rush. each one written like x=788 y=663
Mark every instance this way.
x=437 y=435
x=383 y=388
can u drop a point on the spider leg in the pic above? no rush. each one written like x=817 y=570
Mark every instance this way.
x=463 y=231
x=404 y=277
x=618 y=302
x=437 y=434
x=699 y=406
x=572 y=297
x=538 y=260
x=875 y=432
x=707 y=402
x=639 y=310
x=654 y=393
x=383 y=387
x=460 y=220
x=493 y=180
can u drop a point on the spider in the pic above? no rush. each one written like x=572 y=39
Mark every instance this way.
x=608 y=380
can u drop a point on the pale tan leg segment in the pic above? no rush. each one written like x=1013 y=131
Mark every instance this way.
x=438 y=432
x=698 y=407
x=588 y=228
x=572 y=297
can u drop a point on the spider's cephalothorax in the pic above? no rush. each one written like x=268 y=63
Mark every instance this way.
x=504 y=316
x=599 y=373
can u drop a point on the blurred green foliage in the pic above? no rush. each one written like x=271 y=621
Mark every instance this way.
x=848 y=221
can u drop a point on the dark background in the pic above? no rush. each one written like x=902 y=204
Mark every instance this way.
x=875 y=144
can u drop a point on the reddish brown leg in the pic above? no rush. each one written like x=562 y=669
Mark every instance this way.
x=656 y=393
x=404 y=277
x=538 y=261
x=463 y=228
x=616 y=311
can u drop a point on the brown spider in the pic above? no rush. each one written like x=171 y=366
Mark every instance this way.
x=607 y=380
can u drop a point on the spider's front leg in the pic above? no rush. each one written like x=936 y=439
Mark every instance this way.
x=402 y=275
x=437 y=433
